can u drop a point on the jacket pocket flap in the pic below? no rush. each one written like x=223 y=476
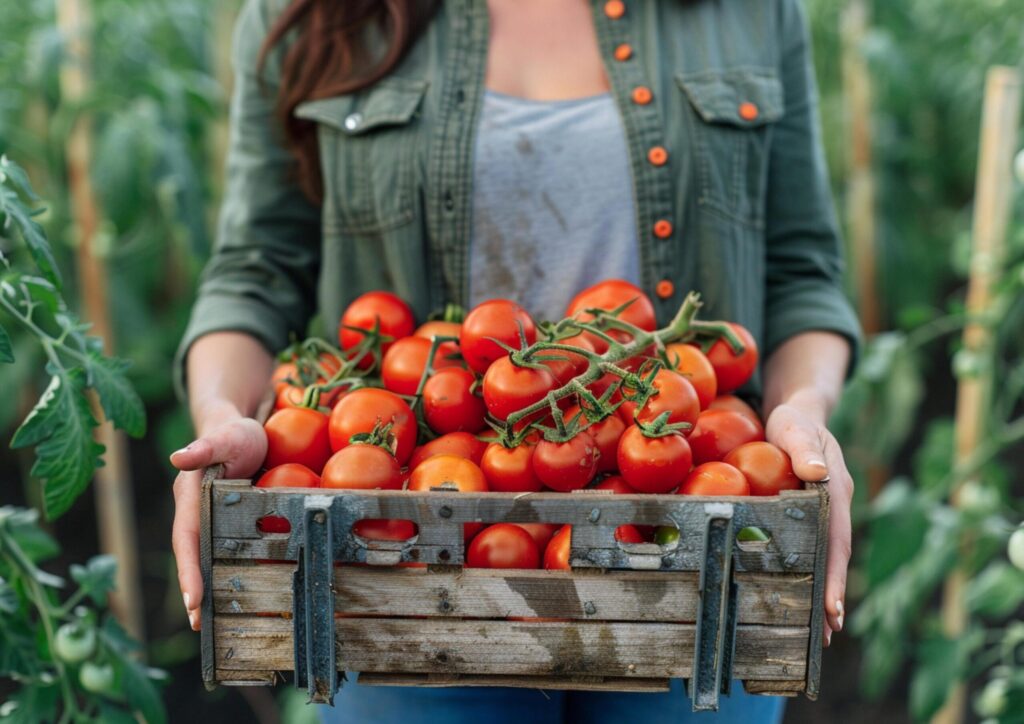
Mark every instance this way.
x=393 y=101
x=744 y=97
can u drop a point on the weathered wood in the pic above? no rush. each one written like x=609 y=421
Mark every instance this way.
x=774 y=688
x=248 y=678
x=206 y=568
x=555 y=683
x=650 y=650
x=771 y=599
x=817 y=602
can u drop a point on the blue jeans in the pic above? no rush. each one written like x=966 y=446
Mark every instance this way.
x=478 y=705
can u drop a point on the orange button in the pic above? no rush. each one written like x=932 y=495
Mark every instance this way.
x=658 y=156
x=615 y=9
x=665 y=289
x=748 y=111
x=663 y=228
x=642 y=95
x=623 y=51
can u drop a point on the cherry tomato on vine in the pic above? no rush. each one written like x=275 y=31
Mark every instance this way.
x=715 y=478
x=617 y=484
x=389 y=311
x=297 y=435
x=767 y=468
x=566 y=466
x=438 y=328
x=653 y=464
x=406 y=360
x=361 y=410
x=734 y=403
x=608 y=295
x=463 y=444
x=96 y=678
x=556 y=555
x=74 y=642
x=606 y=434
x=509 y=387
x=385 y=529
x=571 y=364
x=733 y=370
x=694 y=365
x=284 y=374
x=449 y=403
x=674 y=395
x=510 y=470
x=540 y=532
x=289 y=475
x=443 y=471
x=719 y=431
x=362 y=467
x=496 y=319
x=503 y=545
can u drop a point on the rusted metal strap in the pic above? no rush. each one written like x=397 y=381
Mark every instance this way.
x=313 y=609
x=715 y=640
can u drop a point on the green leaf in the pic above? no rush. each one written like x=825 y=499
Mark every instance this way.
x=22 y=524
x=136 y=680
x=18 y=178
x=97 y=577
x=942 y=662
x=6 y=351
x=121 y=403
x=997 y=591
x=35 y=239
x=112 y=714
x=33 y=704
x=61 y=427
x=8 y=598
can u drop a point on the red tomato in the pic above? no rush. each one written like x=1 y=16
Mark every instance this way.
x=715 y=478
x=429 y=330
x=731 y=402
x=498 y=319
x=617 y=484
x=449 y=403
x=462 y=444
x=556 y=555
x=675 y=395
x=767 y=468
x=653 y=465
x=606 y=435
x=297 y=435
x=385 y=529
x=566 y=466
x=510 y=470
x=284 y=374
x=540 y=532
x=509 y=388
x=360 y=410
x=719 y=431
x=732 y=370
x=288 y=395
x=578 y=362
x=362 y=467
x=628 y=534
x=289 y=475
x=405 y=362
x=611 y=294
x=394 y=317
x=443 y=470
x=503 y=545
x=694 y=365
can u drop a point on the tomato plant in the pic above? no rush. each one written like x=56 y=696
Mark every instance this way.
x=497 y=319
x=360 y=411
x=653 y=464
x=75 y=642
x=566 y=466
x=767 y=468
x=450 y=402
x=297 y=435
x=503 y=545
x=719 y=431
x=715 y=478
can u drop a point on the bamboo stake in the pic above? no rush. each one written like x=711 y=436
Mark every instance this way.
x=114 y=503
x=1000 y=121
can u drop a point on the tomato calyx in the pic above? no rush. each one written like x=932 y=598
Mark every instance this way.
x=381 y=436
x=661 y=427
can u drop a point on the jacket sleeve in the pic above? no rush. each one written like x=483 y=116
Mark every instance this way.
x=804 y=263
x=262 y=276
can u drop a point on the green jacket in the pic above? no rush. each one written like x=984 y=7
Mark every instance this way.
x=740 y=210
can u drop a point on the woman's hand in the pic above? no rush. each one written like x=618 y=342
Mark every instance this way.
x=225 y=436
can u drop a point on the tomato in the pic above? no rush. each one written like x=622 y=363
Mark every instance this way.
x=289 y=395
x=449 y=403
x=497 y=319
x=540 y=532
x=289 y=475
x=666 y=535
x=385 y=529
x=566 y=466
x=556 y=555
x=394 y=317
x=362 y=467
x=578 y=362
x=96 y=678
x=674 y=395
x=609 y=295
x=510 y=470
x=297 y=435
x=406 y=360
x=731 y=402
x=74 y=642
x=284 y=375
x=653 y=465
x=1015 y=548
x=617 y=484
x=733 y=370
x=628 y=534
x=606 y=434
x=719 y=431
x=438 y=328
x=715 y=478
x=509 y=388
x=360 y=410
x=442 y=471
x=463 y=444
x=767 y=468
x=694 y=365
x=503 y=545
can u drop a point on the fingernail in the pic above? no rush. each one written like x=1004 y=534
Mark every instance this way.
x=192 y=620
x=817 y=463
x=842 y=613
x=828 y=636
x=183 y=450
x=185 y=598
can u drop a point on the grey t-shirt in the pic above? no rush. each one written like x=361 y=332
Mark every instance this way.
x=553 y=207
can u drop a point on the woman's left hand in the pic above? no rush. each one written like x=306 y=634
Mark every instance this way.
x=798 y=427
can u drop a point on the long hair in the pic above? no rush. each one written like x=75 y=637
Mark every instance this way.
x=329 y=56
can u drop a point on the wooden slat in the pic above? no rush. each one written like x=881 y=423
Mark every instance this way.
x=774 y=688
x=771 y=599
x=563 y=683
x=646 y=650
x=817 y=628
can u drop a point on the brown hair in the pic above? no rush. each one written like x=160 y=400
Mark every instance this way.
x=329 y=56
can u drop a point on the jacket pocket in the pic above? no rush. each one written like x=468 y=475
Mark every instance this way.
x=732 y=113
x=367 y=154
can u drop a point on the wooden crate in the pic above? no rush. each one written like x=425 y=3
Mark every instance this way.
x=627 y=617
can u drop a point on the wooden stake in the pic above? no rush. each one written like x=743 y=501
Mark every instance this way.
x=114 y=504
x=1000 y=122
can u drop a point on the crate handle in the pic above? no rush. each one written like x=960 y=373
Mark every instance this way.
x=715 y=634
x=313 y=608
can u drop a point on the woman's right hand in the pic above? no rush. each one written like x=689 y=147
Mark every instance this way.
x=225 y=436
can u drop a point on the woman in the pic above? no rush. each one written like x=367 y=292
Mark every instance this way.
x=526 y=148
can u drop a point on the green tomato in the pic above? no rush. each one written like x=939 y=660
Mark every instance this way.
x=1018 y=165
x=1015 y=548
x=97 y=678
x=991 y=702
x=666 y=535
x=74 y=643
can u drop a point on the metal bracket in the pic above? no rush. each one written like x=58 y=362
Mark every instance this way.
x=313 y=608
x=715 y=635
